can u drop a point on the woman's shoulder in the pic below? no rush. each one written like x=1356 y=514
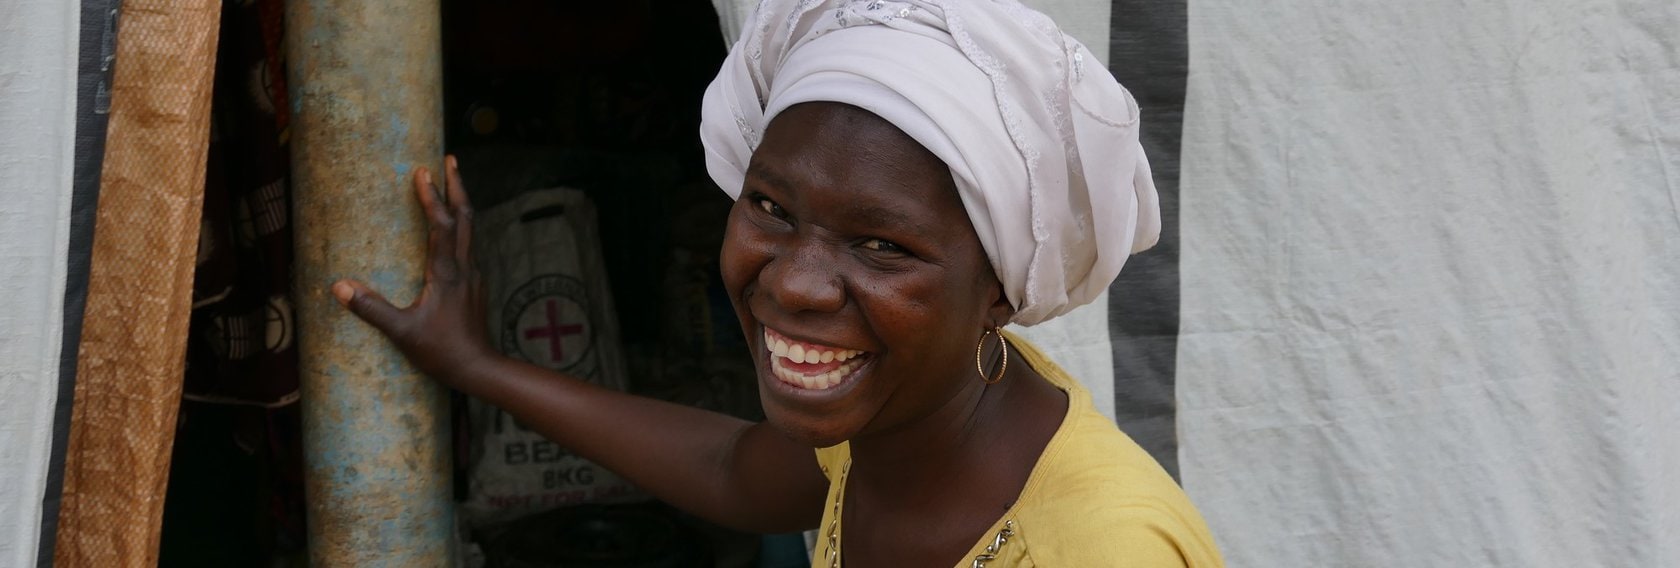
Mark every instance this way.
x=1103 y=501
x=1097 y=498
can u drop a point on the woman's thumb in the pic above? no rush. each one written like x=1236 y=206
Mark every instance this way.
x=367 y=304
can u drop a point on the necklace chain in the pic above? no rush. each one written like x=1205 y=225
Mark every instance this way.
x=834 y=520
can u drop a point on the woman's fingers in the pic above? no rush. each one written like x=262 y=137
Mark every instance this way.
x=461 y=207
x=430 y=201
x=457 y=190
x=368 y=305
x=440 y=234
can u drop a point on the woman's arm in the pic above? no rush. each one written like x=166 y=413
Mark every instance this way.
x=731 y=471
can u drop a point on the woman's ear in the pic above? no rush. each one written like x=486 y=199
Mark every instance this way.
x=1001 y=311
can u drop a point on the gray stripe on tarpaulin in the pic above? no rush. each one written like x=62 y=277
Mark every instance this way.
x=96 y=54
x=1148 y=51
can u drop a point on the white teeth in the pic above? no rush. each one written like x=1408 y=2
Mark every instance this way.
x=819 y=381
x=797 y=352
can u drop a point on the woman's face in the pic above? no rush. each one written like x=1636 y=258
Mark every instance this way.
x=856 y=275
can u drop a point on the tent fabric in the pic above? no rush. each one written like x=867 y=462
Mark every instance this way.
x=129 y=371
x=96 y=60
x=1148 y=54
x=1430 y=252
x=37 y=141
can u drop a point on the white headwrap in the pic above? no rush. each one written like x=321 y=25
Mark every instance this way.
x=1041 y=140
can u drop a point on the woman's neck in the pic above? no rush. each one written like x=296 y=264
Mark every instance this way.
x=984 y=438
x=924 y=493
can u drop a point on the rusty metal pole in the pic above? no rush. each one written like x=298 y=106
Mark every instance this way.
x=365 y=87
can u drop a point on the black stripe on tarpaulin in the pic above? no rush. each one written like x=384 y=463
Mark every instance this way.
x=95 y=58
x=1149 y=53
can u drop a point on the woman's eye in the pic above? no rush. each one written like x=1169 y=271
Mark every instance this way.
x=879 y=245
x=772 y=208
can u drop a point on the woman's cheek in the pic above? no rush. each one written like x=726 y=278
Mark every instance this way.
x=904 y=306
x=743 y=254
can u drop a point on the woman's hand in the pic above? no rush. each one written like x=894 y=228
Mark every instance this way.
x=443 y=332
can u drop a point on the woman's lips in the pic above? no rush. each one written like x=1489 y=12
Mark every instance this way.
x=811 y=366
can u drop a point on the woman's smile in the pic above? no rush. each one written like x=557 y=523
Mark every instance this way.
x=810 y=366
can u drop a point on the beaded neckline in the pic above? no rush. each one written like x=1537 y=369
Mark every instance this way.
x=834 y=518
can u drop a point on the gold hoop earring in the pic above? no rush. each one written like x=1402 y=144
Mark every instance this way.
x=978 y=347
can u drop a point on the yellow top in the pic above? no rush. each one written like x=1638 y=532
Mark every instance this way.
x=1094 y=499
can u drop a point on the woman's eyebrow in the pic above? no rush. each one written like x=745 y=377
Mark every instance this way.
x=877 y=214
x=880 y=215
x=770 y=178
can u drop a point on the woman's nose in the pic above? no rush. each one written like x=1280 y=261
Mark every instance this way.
x=805 y=280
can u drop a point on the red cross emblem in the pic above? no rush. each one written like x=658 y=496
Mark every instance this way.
x=554 y=331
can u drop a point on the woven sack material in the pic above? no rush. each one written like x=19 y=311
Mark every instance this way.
x=128 y=386
x=550 y=305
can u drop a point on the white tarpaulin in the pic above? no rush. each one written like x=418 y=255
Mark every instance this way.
x=37 y=128
x=1431 y=282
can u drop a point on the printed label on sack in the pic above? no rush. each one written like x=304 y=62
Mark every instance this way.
x=523 y=472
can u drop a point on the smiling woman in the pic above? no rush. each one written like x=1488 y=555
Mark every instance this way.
x=850 y=237
x=910 y=177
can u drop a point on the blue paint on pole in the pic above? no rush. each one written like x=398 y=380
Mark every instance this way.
x=366 y=87
x=396 y=133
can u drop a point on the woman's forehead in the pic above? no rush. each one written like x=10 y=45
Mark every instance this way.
x=818 y=147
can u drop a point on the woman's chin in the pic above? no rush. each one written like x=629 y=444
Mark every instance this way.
x=820 y=414
x=804 y=428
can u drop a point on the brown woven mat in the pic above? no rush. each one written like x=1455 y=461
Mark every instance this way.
x=128 y=385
